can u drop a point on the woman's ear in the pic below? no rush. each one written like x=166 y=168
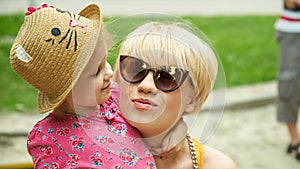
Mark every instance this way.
x=192 y=106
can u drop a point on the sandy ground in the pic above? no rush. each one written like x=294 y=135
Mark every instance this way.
x=251 y=137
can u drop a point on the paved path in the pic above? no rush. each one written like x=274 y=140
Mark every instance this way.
x=252 y=138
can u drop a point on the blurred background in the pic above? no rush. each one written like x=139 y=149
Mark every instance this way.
x=179 y=7
x=242 y=33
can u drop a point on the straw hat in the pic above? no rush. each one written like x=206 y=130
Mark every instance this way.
x=52 y=48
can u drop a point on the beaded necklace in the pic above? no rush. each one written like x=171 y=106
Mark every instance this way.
x=192 y=151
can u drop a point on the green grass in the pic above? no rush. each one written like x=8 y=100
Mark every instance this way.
x=245 y=45
x=15 y=93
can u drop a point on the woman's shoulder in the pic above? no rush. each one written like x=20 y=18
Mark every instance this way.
x=214 y=158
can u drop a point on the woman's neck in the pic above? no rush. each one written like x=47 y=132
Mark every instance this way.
x=166 y=140
x=176 y=158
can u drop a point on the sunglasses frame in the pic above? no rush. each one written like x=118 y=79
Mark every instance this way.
x=154 y=70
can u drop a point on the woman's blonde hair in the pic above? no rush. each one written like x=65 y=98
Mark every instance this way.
x=157 y=42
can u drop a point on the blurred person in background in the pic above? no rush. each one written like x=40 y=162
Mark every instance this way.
x=288 y=37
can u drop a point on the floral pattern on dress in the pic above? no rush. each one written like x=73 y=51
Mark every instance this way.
x=150 y=165
x=63 y=131
x=46 y=149
x=118 y=128
x=78 y=144
x=73 y=161
x=128 y=157
x=52 y=165
x=104 y=140
x=100 y=139
x=96 y=159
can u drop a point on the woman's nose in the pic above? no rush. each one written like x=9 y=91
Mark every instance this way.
x=147 y=85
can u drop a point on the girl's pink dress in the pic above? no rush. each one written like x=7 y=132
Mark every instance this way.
x=94 y=140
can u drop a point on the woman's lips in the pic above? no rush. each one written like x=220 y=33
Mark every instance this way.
x=143 y=104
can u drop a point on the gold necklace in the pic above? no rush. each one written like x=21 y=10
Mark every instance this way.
x=192 y=151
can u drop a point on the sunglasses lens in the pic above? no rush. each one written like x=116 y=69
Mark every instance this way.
x=132 y=70
x=165 y=82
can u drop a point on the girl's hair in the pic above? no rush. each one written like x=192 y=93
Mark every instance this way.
x=157 y=43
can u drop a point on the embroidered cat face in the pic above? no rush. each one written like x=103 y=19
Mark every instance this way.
x=71 y=33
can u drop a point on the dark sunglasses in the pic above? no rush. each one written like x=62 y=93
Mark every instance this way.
x=166 y=78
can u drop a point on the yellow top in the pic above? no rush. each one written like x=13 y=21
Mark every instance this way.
x=199 y=153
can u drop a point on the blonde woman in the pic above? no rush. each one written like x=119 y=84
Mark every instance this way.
x=166 y=72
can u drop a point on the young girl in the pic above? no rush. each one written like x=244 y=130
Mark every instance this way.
x=165 y=73
x=63 y=55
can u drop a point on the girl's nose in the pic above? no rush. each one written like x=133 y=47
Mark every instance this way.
x=109 y=72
